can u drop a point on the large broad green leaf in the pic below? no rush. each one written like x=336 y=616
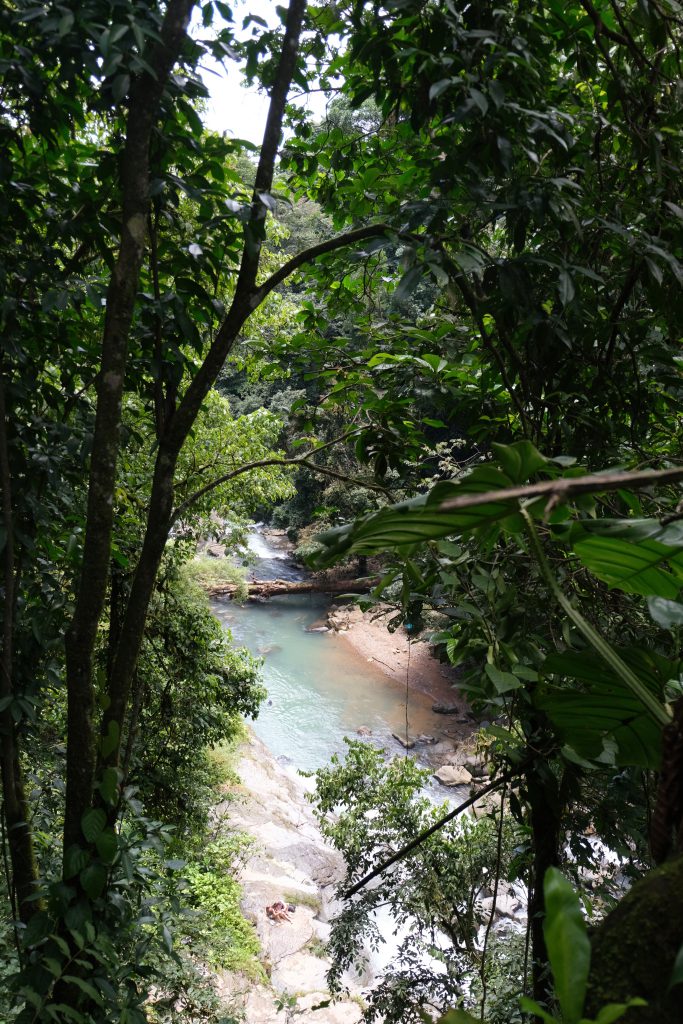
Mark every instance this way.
x=608 y=709
x=585 y=720
x=409 y=523
x=94 y=879
x=638 y=556
x=651 y=668
x=569 y=950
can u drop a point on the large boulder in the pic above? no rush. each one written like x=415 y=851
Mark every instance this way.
x=453 y=775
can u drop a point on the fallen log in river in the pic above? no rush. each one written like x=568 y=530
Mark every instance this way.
x=260 y=589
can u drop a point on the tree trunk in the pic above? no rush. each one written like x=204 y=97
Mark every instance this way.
x=145 y=99
x=15 y=806
x=270 y=588
x=181 y=421
x=634 y=949
x=544 y=803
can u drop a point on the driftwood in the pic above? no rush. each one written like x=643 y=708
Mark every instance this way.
x=269 y=588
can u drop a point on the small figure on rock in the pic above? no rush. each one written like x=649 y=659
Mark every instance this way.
x=278 y=911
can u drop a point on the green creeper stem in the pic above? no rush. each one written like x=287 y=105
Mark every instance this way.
x=657 y=711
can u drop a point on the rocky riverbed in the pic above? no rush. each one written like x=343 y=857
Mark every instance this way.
x=290 y=862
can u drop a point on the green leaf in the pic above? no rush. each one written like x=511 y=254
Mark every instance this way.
x=632 y=556
x=565 y=287
x=458 y=1017
x=609 y=708
x=84 y=986
x=94 y=879
x=75 y=859
x=567 y=942
x=677 y=972
x=108 y=785
x=519 y=461
x=167 y=938
x=665 y=613
x=503 y=681
x=422 y=519
x=436 y=88
x=531 y=1006
x=37 y=929
x=120 y=87
x=107 y=846
x=66 y=23
x=408 y=283
x=55 y=967
x=614 y=1012
x=77 y=916
x=92 y=823
x=109 y=742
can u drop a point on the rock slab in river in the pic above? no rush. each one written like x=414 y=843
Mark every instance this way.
x=453 y=775
x=406 y=742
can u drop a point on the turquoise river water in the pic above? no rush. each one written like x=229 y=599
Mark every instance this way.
x=319 y=688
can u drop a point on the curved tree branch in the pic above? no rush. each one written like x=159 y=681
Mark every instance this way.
x=241 y=309
x=301 y=460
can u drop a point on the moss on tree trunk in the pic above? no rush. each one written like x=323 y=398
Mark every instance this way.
x=634 y=949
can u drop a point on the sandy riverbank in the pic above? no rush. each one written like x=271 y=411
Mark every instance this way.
x=409 y=664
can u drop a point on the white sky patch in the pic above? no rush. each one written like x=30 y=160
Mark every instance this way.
x=240 y=111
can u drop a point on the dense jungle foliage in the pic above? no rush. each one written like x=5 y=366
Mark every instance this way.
x=447 y=315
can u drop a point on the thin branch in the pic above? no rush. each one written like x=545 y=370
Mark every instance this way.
x=489 y=924
x=301 y=460
x=414 y=843
x=623 y=297
x=321 y=249
x=473 y=306
x=568 y=487
x=180 y=422
x=144 y=107
x=241 y=309
x=600 y=26
x=15 y=805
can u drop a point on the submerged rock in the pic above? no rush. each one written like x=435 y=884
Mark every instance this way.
x=406 y=742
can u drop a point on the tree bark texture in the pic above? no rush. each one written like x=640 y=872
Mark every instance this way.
x=246 y=297
x=244 y=302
